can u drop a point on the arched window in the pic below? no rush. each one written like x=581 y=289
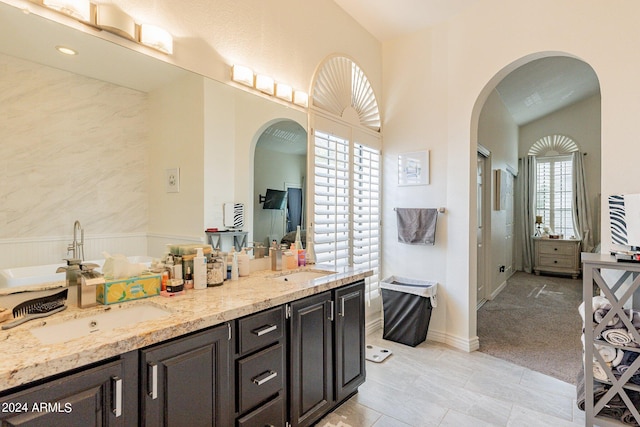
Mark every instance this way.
x=554 y=182
x=345 y=122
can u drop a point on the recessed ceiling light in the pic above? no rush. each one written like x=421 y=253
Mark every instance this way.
x=66 y=50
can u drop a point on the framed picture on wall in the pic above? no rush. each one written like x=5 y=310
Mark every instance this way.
x=413 y=168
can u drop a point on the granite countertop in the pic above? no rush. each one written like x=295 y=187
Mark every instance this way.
x=26 y=359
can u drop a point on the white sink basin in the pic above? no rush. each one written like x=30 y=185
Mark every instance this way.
x=104 y=321
x=302 y=276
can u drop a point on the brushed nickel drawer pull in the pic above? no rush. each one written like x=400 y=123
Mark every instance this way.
x=117 y=391
x=265 y=330
x=153 y=379
x=269 y=376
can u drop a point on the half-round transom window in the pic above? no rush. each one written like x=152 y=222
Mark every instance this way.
x=553 y=145
x=342 y=88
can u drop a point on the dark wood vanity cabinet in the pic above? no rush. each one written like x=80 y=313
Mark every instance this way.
x=186 y=381
x=103 y=395
x=285 y=366
x=311 y=358
x=349 y=340
x=326 y=352
x=260 y=369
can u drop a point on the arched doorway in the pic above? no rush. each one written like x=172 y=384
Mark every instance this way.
x=532 y=98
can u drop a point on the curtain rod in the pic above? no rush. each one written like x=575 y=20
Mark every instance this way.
x=440 y=209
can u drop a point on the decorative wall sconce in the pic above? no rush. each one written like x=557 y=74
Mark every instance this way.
x=109 y=18
x=265 y=84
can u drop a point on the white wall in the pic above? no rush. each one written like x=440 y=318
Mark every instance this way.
x=499 y=134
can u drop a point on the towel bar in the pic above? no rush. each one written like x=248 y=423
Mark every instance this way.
x=440 y=209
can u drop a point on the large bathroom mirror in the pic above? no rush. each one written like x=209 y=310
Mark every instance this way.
x=141 y=152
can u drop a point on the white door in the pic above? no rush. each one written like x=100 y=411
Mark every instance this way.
x=482 y=182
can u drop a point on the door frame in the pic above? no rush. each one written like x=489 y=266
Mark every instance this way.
x=483 y=256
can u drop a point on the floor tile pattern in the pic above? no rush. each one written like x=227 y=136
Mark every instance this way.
x=436 y=385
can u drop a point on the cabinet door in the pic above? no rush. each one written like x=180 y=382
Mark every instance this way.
x=311 y=359
x=186 y=381
x=350 y=346
x=88 y=398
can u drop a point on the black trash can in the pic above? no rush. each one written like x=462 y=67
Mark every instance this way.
x=407 y=305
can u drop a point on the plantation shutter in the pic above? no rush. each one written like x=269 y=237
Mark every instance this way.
x=331 y=214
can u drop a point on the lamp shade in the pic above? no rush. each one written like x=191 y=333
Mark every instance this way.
x=112 y=19
x=156 y=37
x=79 y=9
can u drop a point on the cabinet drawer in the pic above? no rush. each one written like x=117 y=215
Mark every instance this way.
x=260 y=376
x=554 y=248
x=268 y=415
x=260 y=330
x=557 y=261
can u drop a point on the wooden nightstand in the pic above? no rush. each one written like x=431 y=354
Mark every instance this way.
x=560 y=256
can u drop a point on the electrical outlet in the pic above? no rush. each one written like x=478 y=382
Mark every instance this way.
x=172 y=180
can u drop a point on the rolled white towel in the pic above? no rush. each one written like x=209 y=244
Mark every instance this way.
x=598 y=316
x=598 y=372
x=608 y=354
x=619 y=355
x=616 y=336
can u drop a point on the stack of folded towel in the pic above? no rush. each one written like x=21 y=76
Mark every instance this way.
x=617 y=333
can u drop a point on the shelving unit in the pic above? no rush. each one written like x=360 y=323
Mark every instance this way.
x=620 y=284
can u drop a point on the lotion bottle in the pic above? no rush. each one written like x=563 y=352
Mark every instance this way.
x=243 y=264
x=199 y=270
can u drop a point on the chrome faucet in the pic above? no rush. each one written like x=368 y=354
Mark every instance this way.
x=77 y=247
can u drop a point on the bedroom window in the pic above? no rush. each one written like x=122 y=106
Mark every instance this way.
x=554 y=182
x=554 y=193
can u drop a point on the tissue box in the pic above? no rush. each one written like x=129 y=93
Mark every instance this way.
x=121 y=290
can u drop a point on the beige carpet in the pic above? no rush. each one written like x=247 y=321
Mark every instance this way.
x=534 y=322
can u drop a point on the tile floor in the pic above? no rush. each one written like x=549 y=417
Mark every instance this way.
x=436 y=385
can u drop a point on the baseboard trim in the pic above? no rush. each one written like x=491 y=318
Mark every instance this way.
x=460 y=343
x=373 y=326
x=498 y=290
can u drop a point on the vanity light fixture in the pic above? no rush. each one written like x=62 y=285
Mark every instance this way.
x=301 y=98
x=242 y=74
x=157 y=38
x=284 y=92
x=78 y=9
x=66 y=50
x=265 y=84
x=112 y=19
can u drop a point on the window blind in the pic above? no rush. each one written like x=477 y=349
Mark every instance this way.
x=554 y=191
x=366 y=212
x=331 y=199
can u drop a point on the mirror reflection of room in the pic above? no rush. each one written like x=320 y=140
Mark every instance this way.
x=280 y=163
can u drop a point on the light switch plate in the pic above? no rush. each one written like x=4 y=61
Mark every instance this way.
x=172 y=180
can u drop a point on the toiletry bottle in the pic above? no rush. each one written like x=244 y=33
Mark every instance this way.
x=234 y=267
x=199 y=270
x=164 y=280
x=243 y=263
x=311 y=253
x=188 y=279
